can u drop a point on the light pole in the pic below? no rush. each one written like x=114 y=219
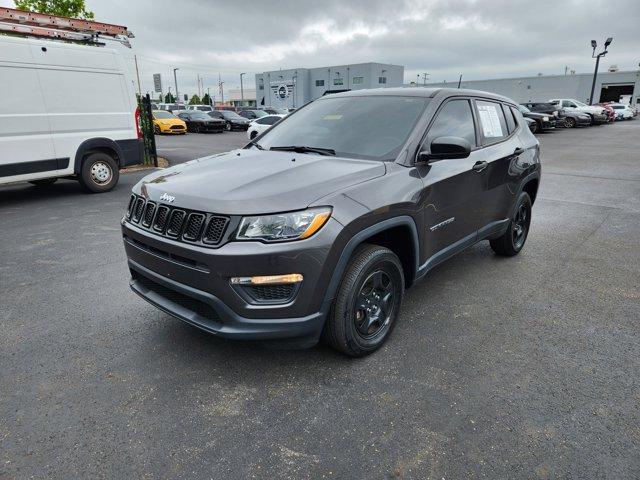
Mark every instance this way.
x=594 y=45
x=241 y=90
x=175 y=81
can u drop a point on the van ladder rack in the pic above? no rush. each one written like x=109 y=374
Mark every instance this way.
x=24 y=23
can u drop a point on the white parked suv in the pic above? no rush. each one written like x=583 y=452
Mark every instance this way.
x=597 y=114
x=623 y=112
x=262 y=124
x=68 y=111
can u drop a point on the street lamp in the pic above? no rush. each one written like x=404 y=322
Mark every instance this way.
x=594 y=45
x=175 y=80
x=241 y=90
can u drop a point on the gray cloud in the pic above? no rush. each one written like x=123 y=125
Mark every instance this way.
x=480 y=39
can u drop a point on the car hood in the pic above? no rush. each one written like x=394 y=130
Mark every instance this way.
x=248 y=181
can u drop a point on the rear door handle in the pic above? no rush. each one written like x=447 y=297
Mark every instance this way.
x=480 y=166
x=518 y=151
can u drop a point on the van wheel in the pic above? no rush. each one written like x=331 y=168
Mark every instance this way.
x=368 y=302
x=44 y=182
x=99 y=172
x=512 y=241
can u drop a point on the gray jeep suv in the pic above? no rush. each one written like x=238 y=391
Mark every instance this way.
x=317 y=226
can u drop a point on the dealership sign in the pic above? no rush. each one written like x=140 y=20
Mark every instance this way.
x=282 y=91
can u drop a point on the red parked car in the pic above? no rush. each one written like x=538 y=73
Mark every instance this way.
x=608 y=109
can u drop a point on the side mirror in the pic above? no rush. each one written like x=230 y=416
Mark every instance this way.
x=446 y=148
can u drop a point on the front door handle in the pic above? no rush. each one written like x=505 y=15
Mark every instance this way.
x=480 y=166
x=518 y=151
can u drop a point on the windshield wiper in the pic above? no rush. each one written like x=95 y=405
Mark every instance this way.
x=303 y=149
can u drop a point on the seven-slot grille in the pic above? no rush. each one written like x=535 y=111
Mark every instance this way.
x=177 y=223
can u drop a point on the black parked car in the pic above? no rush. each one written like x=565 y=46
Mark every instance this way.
x=233 y=121
x=252 y=113
x=543 y=122
x=316 y=227
x=548 y=108
x=200 y=122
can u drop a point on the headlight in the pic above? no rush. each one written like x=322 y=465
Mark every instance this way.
x=283 y=226
x=545 y=119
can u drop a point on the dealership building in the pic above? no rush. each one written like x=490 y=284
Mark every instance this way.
x=295 y=87
x=610 y=87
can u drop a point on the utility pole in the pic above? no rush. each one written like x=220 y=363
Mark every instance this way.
x=221 y=86
x=208 y=95
x=135 y=58
x=424 y=79
x=175 y=81
x=241 y=90
x=594 y=45
x=198 y=83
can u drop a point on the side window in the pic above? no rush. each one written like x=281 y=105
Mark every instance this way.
x=566 y=103
x=319 y=83
x=268 y=120
x=492 y=122
x=453 y=120
x=511 y=123
x=517 y=115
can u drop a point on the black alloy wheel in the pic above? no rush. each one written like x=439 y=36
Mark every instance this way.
x=374 y=304
x=512 y=240
x=367 y=303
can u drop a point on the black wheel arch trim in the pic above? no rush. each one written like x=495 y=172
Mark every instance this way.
x=128 y=151
x=360 y=238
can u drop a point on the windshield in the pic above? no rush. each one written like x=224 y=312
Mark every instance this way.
x=163 y=114
x=373 y=127
x=523 y=109
x=229 y=115
x=197 y=115
x=580 y=104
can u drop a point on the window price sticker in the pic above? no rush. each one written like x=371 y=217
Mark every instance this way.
x=490 y=121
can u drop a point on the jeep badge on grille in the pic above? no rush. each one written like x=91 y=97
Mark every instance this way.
x=165 y=197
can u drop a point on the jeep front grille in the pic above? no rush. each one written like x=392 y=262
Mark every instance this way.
x=179 y=224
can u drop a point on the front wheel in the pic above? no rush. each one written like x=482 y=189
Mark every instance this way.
x=228 y=126
x=570 y=122
x=512 y=241
x=156 y=130
x=367 y=303
x=99 y=172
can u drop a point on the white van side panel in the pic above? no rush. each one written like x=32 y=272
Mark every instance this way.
x=25 y=134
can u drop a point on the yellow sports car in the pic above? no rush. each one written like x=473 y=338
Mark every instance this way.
x=167 y=122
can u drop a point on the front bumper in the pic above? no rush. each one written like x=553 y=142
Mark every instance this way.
x=548 y=125
x=192 y=282
x=599 y=118
x=175 y=129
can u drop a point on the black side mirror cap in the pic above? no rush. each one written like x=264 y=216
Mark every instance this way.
x=446 y=148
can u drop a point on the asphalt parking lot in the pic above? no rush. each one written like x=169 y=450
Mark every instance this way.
x=499 y=368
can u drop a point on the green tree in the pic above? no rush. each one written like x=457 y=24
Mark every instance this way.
x=206 y=99
x=65 y=8
x=168 y=98
x=195 y=100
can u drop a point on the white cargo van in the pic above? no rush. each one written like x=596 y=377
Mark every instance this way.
x=67 y=110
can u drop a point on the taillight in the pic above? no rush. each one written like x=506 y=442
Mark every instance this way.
x=138 y=124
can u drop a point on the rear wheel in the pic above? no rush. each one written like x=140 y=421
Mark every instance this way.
x=99 y=172
x=44 y=182
x=570 y=122
x=368 y=302
x=512 y=241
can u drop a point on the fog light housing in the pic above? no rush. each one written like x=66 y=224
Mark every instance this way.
x=268 y=279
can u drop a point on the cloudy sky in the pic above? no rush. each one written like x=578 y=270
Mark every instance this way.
x=476 y=38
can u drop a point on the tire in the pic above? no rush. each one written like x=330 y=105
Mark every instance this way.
x=253 y=135
x=570 y=122
x=534 y=127
x=372 y=271
x=44 y=182
x=99 y=172
x=156 y=130
x=197 y=129
x=228 y=126
x=512 y=241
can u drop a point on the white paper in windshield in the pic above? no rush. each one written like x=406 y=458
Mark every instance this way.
x=490 y=121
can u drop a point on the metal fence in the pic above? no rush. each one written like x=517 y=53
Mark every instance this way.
x=146 y=127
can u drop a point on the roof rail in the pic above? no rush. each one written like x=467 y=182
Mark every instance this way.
x=24 y=23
